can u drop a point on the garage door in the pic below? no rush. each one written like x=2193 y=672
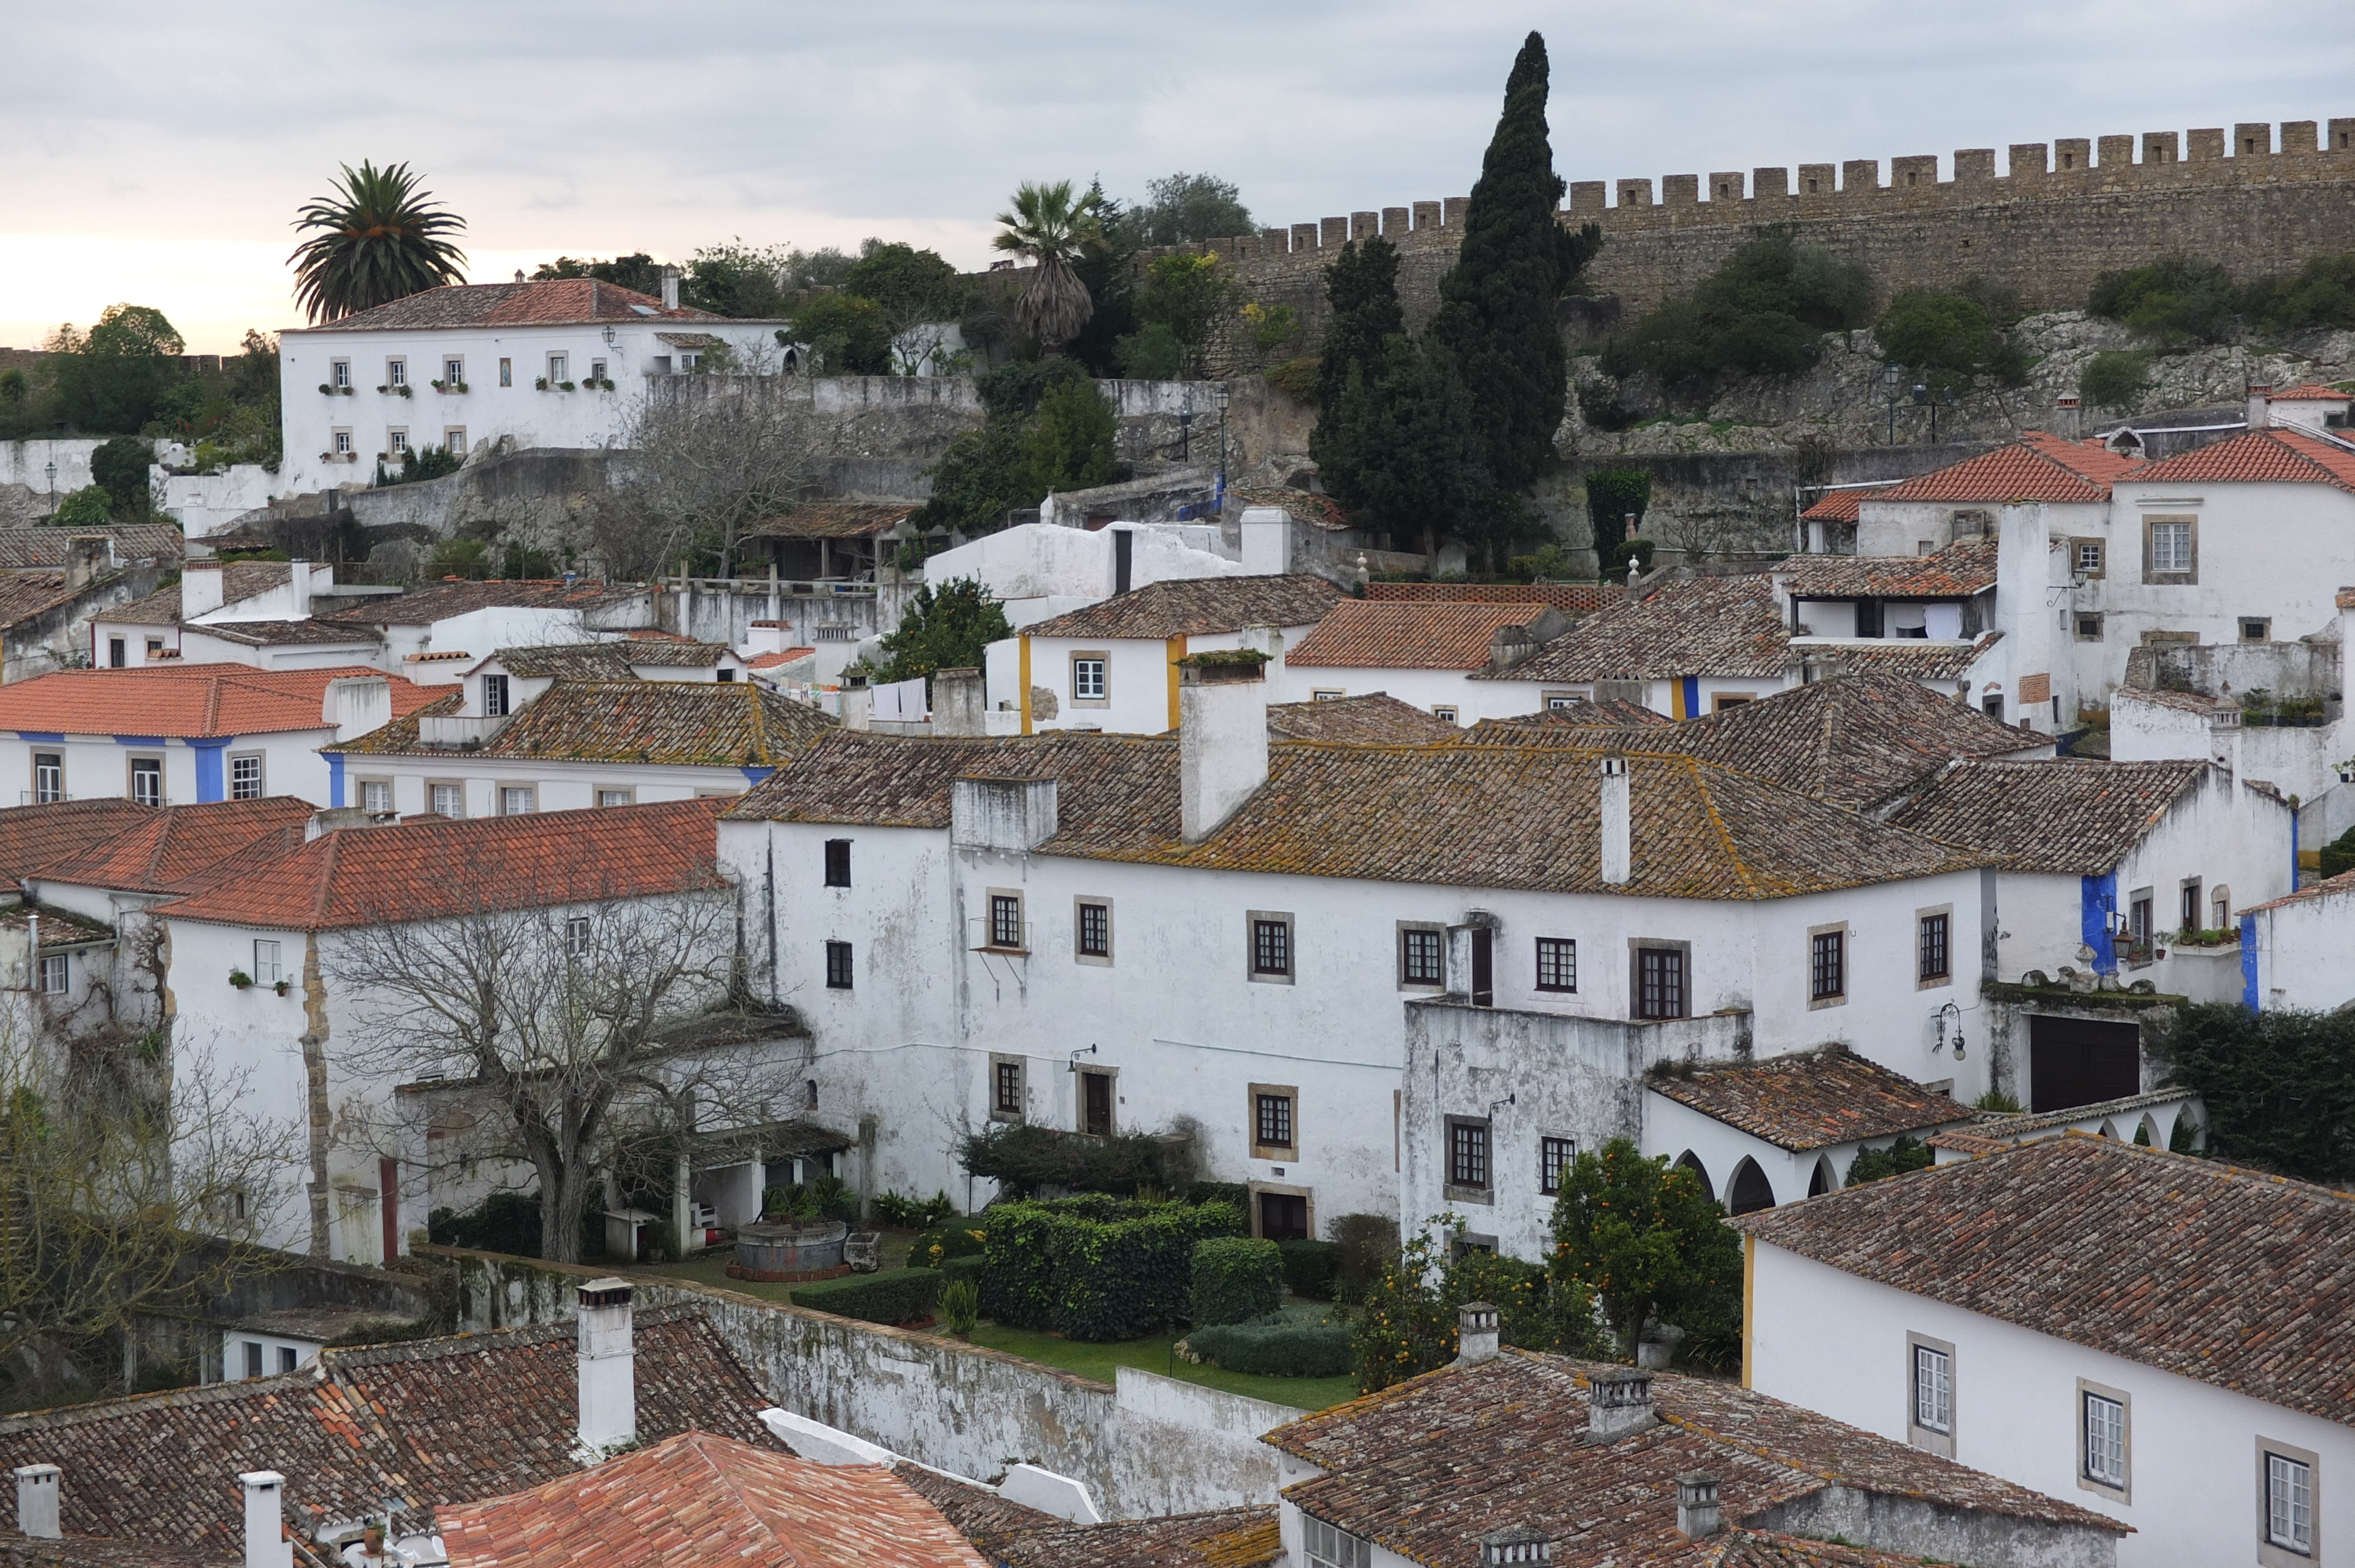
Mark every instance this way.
x=2081 y=1061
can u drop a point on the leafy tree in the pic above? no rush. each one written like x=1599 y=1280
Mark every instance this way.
x=1408 y=1325
x=1950 y=338
x=823 y=268
x=850 y=336
x=1497 y=303
x=2338 y=855
x=1645 y=1239
x=120 y=468
x=115 y=378
x=1186 y=296
x=2113 y=379
x=1361 y=296
x=947 y=627
x=985 y=473
x=1070 y=443
x=2279 y=1085
x=380 y=239
x=2319 y=294
x=1107 y=266
x=636 y=270
x=13 y=387
x=1612 y=495
x=2172 y=302
x=1050 y=228
x=1152 y=353
x=1182 y=208
x=1763 y=312
x=1907 y=1153
x=1401 y=445
x=89 y=507
x=747 y=281
x=1268 y=330
x=911 y=286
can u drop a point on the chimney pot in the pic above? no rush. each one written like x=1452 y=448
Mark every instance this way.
x=1697 y=1515
x=1476 y=1334
x=1519 y=1545
x=1619 y=1402
x=266 y=1546
x=2261 y=396
x=2066 y=419
x=37 y=1502
x=608 y=1367
x=1618 y=829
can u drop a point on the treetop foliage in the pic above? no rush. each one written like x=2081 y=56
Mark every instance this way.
x=1763 y=312
x=1181 y=208
x=1644 y=1237
x=2279 y=1085
x=948 y=625
x=1952 y=337
x=1361 y=289
x=381 y=237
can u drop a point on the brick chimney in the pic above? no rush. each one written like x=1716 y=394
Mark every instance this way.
x=1617 y=826
x=2261 y=396
x=1697 y=1510
x=1476 y=1334
x=1221 y=743
x=608 y=1391
x=1619 y=1402
x=201 y=589
x=1518 y=1545
x=37 y=1502
x=266 y=1546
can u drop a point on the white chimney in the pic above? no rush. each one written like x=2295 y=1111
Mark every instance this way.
x=1267 y=540
x=1697 y=1510
x=1618 y=831
x=957 y=702
x=671 y=288
x=298 y=585
x=609 y=1389
x=266 y=1546
x=1221 y=743
x=1619 y=1402
x=1476 y=1334
x=2065 y=421
x=37 y=1502
x=201 y=589
x=355 y=706
x=2261 y=398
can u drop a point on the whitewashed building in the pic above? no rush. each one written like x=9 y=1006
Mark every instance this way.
x=2298 y=950
x=2093 y=1320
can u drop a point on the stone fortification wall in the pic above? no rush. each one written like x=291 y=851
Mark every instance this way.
x=2060 y=214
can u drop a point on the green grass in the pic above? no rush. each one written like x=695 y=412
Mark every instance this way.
x=1153 y=1355
x=709 y=1266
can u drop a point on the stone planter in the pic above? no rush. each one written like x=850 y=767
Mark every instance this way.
x=790 y=1253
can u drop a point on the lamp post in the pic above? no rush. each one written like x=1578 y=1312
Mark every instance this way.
x=1219 y=396
x=1185 y=435
x=50 y=468
x=1890 y=374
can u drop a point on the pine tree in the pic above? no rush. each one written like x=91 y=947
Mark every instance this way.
x=1362 y=300
x=1497 y=303
x=1400 y=445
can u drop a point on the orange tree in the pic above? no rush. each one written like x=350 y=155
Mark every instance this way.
x=1648 y=1243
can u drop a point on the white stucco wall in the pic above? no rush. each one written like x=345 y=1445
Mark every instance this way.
x=2306 y=951
x=1047 y=560
x=99 y=766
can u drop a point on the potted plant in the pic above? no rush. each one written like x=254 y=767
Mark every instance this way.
x=241 y=980
x=540 y=383
x=373 y=1539
x=566 y=385
x=327 y=389
x=283 y=987
x=406 y=390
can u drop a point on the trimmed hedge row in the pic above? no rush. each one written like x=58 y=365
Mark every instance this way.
x=1275 y=1350
x=1309 y=1268
x=1236 y=1279
x=906 y=1296
x=1095 y=1268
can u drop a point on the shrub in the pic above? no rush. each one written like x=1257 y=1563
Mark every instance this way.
x=906 y=1296
x=1296 y=379
x=1907 y=1153
x=1236 y=1278
x=1612 y=495
x=1409 y=1324
x=1275 y=1350
x=2113 y=379
x=1093 y=1267
x=1614 y=559
x=1022 y=1157
x=2173 y=301
x=1949 y=338
x=1237 y=1194
x=2338 y=854
x=908 y=1213
x=1364 y=1248
x=504 y=1222
x=2279 y=1084
x=1763 y=312
x=943 y=1244
x=89 y=507
x=1308 y=1268
x=2319 y=294
x=121 y=467
x=1646 y=1240
x=961 y=1305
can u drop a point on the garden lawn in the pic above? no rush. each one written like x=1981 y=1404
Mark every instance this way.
x=1153 y=1355
x=709 y=1266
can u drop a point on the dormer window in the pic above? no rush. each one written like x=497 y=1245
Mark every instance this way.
x=494 y=696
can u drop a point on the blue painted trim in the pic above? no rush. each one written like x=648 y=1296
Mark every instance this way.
x=2097 y=901
x=2293 y=850
x=2249 y=962
x=56 y=739
x=138 y=740
x=755 y=775
x=335 y=778
x=210 y=784
x=1692 y=696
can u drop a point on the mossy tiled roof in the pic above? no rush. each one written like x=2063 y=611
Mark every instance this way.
x=694 y=724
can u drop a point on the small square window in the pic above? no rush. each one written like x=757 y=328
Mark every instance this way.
x=396 y=372
x=1271 y=949
x=596 y=371
x=1554 y=1158
x=2089 y=629
x=1423 y=956
x=1557 y=964
x=1006 y=1090
x=376 y=797
x=576 y=937
x=2088 y=557
x=245 y=776
x=1092 y=934
x=57 y=974
x=453 y=373
x=1445 y=711
x=1088 y=681
x=449 y=799
x=838 y=966
x=838 y=863
x=2256 y=628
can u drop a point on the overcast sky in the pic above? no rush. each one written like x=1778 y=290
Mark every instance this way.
x=155 y=153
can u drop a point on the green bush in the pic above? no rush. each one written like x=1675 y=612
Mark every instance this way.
x=2173 y=302
x=89 y=507
x=1763 y=312
x=1309 y=1267
x=2319 y=294
x=1275 y=1350
x=972 y=1268
x=911 y=1214
x=1022 y=1157
x=1093 y=1267
x=1237 y=1194
x=504 y=1222
x=1236 y=1278
x=1296 y=379
x=1950 y=338
x=1907 y=1153
x=2279 y=1084
x=961 y=1305
x=2338 y=854
x=121 y=466
x=942 y=1244
x=2113 y=379
x=1410 y=1320
x=907 y=1296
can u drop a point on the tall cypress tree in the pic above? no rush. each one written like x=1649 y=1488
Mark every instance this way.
x=1362 y=303
x=1398 y=445
x=1497 y=303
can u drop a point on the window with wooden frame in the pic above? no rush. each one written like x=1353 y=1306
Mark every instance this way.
x=1008 y=931
x=2289 y=1529
x=396 y=371
x=48 y=777
x=148 y=781
x=1274 y=1113
x=448 y=797
x=1271 y=947
x=245 y=780
x=1423 y=956
x=838 y=863
x=2089 y=627
x=1098 y=1096
x=1328 y=1546
x=494 y=696
x=1009 y=1088
x=1661 y=980
x=1933 y=946
x=376 y=797
x=57 y=974
x=1469 y=1163
x=1557 y=964
x=1555 y=1156
x=1091 y=930
x=2170 y=550
x=1827 y=966
x=838 y=966
x=2104 y=1450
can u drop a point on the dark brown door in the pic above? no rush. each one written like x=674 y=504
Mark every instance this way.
x=387 y=1178
x=1282 y=1216
x=1484 y=978
x=2082 y=1062
x=1095 y=1104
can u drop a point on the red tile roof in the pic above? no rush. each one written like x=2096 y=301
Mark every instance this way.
x=1844 y=506
x=560 y=301
x=1570 y=599
x=1358 y=634
x=32 y=836
x=2329 y=887
x=180 y=848
x=1809 y=1099
x=422 y=871
x=1197 y=607
x=2311 y=392
x=1960 y=570
x=2037 y=467
x=775 y=657
x=2276 y=455
x=184 y=700
x=2239 y=1279
x=1377 y=718
x=702 y=1501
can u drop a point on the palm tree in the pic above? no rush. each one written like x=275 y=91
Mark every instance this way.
x=380 y=240
x=1051 y=227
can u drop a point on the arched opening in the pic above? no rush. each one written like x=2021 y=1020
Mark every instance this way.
x=1822 y=1182
x=1688 y=1160
x=2146 y=1133
x=1750 y=1190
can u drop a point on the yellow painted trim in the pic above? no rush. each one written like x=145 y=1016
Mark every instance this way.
x=1177 y=652
x=1025 y=678
x=1676 y=699
x=1749 y=1301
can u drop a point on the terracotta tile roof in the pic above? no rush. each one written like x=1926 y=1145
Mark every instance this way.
x=47 y=547
x=1853 y=740
x=424 y=1424
x=673 y=652
x=1707 y=626
x=1843 y=505
x=287 y=633
x=24 y=595
x=2276 y=455
x=1564 y=718
x=185 y=700
x=1502 y=816
x=1960 y=570
x=180 y=848
x=1570 y=599
x=978 y=1513
x=832 y=520
x=1303 y=506
x=240 y=580
x=2062 y=814
x=1358 y=634
x=564 y=661
x=1911 y=657
x=1228 y=1538
x=771 y=659
x=561 y=301
x=1425 y=1467
x=2329 y=887
x=422 y=871
x=698 y=1500
x=97 y=1552
x=2240 y=1280
x=32 y=836
x=1197 y=607
x=1999 y=1132
x=1376 y=718
x=422 y=607
x=2309 y=392
x=1810 y=1099
x=58 y=928
x=2037 y=467
x=691 y=724
x=2198 y=703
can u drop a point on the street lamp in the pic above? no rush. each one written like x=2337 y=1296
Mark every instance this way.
x=609 y=337
x=1185 y=435
x=1890 y=376
x=1220 y=398
x=51 y=470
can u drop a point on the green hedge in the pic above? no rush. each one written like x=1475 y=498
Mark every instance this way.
x=1308 y=1268
x=957 y=1238
x=902 y=1297
x=1275 y=1350
x=958 y=1268
x=1236 y=1279
x=1095 y=1268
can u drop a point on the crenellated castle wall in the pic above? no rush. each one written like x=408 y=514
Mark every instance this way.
x=2060 y=214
